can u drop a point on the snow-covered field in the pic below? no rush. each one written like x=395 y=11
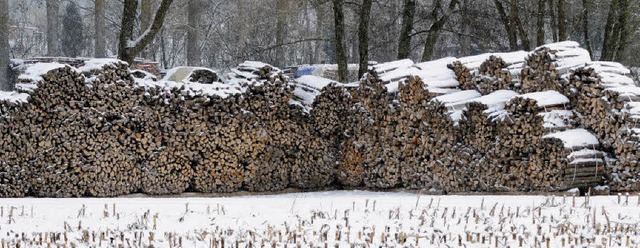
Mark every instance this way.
x=326 y=219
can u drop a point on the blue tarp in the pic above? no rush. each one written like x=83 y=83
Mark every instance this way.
x=304 y=71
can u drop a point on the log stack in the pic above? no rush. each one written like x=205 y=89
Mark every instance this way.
x=579 y=163
x=463 y=75
x=610 y=96
x=494 y=76
x=97 y=131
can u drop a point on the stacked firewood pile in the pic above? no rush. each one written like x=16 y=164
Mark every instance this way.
x=577 y=151
x=463 y=75
x=494 y=76
x=607 y=94
x=95 y=131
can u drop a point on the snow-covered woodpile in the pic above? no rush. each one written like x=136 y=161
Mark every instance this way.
x=545 y=120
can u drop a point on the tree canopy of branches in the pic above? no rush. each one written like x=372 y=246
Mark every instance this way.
x=222 y=33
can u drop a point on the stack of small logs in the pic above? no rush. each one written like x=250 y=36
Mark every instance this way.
x=493 y=76
x=613 y=120
x=463 y=75
x=539 y=73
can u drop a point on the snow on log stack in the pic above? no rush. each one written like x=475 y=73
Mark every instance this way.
x=545 y=120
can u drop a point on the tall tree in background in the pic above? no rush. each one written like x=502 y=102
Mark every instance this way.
x=363 y=36
x=408 y=13
x=508 y=24
x=194 y=8
x=562 y=21
x=436 y=27
x=622 y=29
x=282 y=7
x=608 y=43
x=554 y=22
x=128 y=47
x=321 y=13
x=517 y=20
x=585 y=27
x=146 y=13
x=5 y=83
x=341 y=53
x=616 y=31
x=540 y=23
x=99 y=22
x=72 y=37
x=53 y=28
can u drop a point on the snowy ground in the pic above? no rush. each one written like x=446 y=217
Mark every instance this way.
x=324 y=219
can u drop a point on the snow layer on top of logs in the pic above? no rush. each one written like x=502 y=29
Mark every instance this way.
x=435 y=75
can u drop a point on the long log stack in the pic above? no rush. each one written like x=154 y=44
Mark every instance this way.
x=98 y=131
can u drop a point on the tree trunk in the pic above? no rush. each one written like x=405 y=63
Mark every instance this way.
x=464 y=37
x=341 y=54
x=609 y=44
x=363 y=36
x=562 y=21
x=241 y=30
x=5 y=82
x=434 y=31
x=540 y=23
x=622 y=30
x=320 y=16
x=146 y=13
x=100 y=42
x=508 y=25
x=193 y=33
x=585 y=27
x=128 y=48
x=515 y=17
x=404 y=45
x=53 y=28
x=554 y=23
x=282 y=8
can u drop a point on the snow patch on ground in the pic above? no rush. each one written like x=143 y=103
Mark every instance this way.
x=367 y=219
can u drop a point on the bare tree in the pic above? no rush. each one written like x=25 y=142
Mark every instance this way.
x=146 y=13
x=282 y=7
x=508 y=24
x=363 y=36
x=585 y=26
x=609 y=43
x=434 y=31
x=5 y=83
x=193 y=32
x=540 y=23
x=99 y=22
x=341 y=53
x=516 y=19
x=53 y=28
x=128 y=48
x=321 y=13
x=622 y=29
x=562 y=21
x=408 y=13
x=554 y=22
